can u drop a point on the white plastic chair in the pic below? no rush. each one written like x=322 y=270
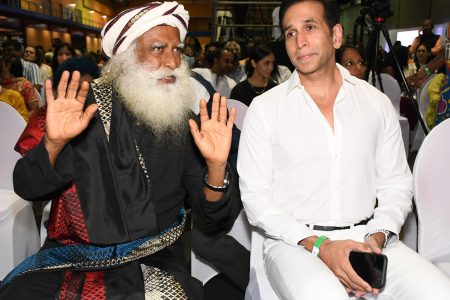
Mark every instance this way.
x=259 y=287
x=12 y=125
x=18 y=231
x=391 y=89
x=431 y=173
x=241 y=110
x=423 y=100
x=204 y=271
x=40 y=99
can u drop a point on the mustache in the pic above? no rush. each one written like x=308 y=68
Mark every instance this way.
x=161 y=73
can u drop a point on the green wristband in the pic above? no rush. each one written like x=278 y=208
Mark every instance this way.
x=427 y=71
x=317 y=244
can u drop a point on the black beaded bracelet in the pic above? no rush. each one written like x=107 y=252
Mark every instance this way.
x=214 y=187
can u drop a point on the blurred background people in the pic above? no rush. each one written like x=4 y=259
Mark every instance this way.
x=349 y=57
x=190 y=54
x=63 y=52
x=30 y=70
x=237 y=72
x=259 y=68
x=12 y=78
x=222 y=64
x=420 y=58
x=12 y=97
x=427 y=37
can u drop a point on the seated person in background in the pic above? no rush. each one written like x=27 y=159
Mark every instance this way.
x=119 y=160
x=31 y=70
x=237 y=73
x=222 y=64
x=14 y=99
x=62 y=52
x=316 y=154
x=190 y=54
x=193 y=42
x=13 y=79
x=421 y=58
x=350 y=58
x=259 y=68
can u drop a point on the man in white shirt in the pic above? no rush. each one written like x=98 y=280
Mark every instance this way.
x=221 y=65
x=315 y=155
x=31 y=70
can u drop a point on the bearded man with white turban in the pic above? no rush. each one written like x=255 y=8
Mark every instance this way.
x=118 y=162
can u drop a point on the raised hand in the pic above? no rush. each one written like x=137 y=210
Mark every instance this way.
x=65 y=117
x=214 y=137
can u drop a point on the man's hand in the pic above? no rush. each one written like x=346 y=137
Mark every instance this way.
x=214 y=137
x=214 y=141
x=65 y=117
x=335 y=254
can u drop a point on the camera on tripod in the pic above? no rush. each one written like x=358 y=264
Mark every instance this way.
x=376 y=8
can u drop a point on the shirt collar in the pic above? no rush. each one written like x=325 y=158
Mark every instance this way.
x=294 y=80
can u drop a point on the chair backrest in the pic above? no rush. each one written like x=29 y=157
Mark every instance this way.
x=391 y=89
x=204 y=271
x=38 y=95
x=12 y=125
x=431 y=173
x=423 y=98
x=241 y=110
x=259 y=287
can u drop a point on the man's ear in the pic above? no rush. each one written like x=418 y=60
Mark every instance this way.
x=337 y=36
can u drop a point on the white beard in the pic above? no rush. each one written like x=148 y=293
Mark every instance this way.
x=163 y=108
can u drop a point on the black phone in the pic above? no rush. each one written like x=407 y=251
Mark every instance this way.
x=370 y=266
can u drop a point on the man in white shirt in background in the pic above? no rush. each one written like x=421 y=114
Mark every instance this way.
x=31 y=70
x=221 y=65
x=316 y=152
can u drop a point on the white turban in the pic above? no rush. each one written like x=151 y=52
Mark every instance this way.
x=130 y=24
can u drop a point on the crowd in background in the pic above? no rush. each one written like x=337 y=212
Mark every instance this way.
x=240 y=70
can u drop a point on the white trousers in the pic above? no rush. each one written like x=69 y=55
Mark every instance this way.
x=295 y=273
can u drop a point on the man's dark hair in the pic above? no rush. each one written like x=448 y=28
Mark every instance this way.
x=340 y=52
x=210 y=52
x=14 y=64
x=82 y=64
x=331 y=9
x=13 y=44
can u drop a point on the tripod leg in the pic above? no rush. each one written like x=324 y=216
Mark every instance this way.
x=400 y=71
x=369 y=56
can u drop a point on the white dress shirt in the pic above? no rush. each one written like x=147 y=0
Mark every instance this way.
x=295 y=170
x=223 y=84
